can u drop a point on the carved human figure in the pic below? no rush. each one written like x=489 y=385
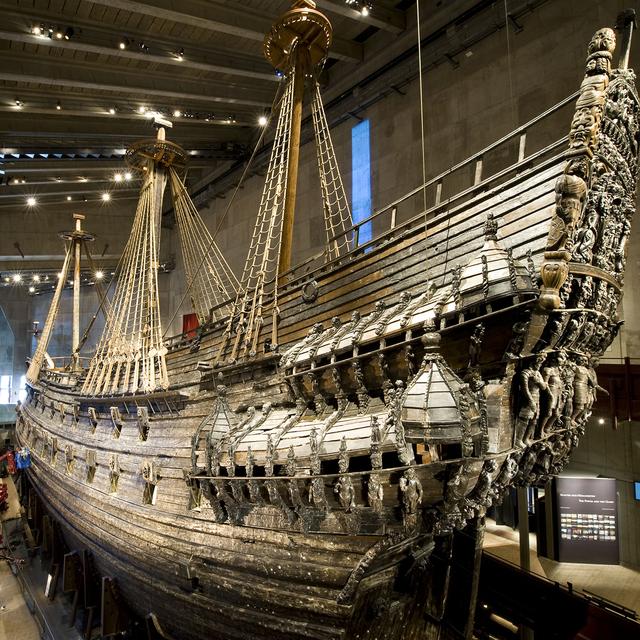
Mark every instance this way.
x=555 y=386
x=531 y=384
x=411 y=490
x=585 y=385
x=475 y=346
x=345 y=492
x=375 y=493
x=586 y=238
x=570 y=194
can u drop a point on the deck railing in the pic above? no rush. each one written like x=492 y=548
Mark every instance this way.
x=487 y=168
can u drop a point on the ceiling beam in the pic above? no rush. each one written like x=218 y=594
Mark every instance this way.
x=110 y=35
x=143 y=92
x=238 y=23
x=386 y=19
x=126 y=54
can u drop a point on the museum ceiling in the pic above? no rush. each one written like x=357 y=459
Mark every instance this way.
x=80 y=78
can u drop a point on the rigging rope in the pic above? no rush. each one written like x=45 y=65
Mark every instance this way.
x=217 y=285
x=38 y=357
x=132 y=335
x=337 y=214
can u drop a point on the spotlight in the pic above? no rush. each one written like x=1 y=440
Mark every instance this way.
x=58 y=105
x=22 y=180
x=32 y=289
x=127 y=175
x=83 y=179
x=123 y=44
x=106 y=197
x=59 y=35
x=19 y=103
x=364 y=11
x=99 y=275
x=68 y=198
x=177 y=113
x=36 y=278
x=117 y=177
x=600 y=420
x=31 y=201
x=36 y=30
x=262 y=121
x=142 y=109
x=112 y=111
x=59 y=275
x=180 y=54
x=16 y=278
x=69 y=33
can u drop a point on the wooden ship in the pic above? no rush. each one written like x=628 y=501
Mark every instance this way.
x=316 y=461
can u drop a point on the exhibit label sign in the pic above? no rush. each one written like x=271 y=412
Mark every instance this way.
x=587 y=522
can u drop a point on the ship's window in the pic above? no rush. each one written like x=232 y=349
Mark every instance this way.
x=361 y=178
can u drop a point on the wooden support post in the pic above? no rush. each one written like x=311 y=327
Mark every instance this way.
x=438 y=192
x=477 y=179
x=89 y=623
x=114 y=614
x=294 y=156
x=522 y=146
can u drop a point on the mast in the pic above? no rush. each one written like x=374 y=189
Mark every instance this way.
x=296 y=44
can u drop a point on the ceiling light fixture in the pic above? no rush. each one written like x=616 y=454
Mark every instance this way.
x=36 y=278
x=58 y=105
x=68 y=198
x=142 y=109
x=127 y=175
x=99 y=275
x=117 y=177
x=36 y=30
x=19 y=103
x=262 y=121
x=69 y=33
x=177 y=113
x=59 y=34
x=123 y=44
x=180 y=54
x=112 y=111
x=31 y=201
x=17 y=277
x=32 y=289
x=106 y=197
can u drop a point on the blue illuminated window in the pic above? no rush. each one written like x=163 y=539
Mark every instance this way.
x=361 y=178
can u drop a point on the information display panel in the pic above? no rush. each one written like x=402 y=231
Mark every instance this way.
x=587 y=520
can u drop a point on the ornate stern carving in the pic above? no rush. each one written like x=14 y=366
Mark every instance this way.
x=571 y=188
x=142 y=415
x=375 y=489
x=316 y=496
x=116 y=421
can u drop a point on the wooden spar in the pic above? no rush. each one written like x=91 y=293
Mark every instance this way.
x=77 y=245
x=292 y=169
x=626 y=22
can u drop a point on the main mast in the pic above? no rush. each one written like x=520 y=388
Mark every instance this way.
x=297 y=44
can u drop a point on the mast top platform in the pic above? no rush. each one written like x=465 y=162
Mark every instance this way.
x=158 y=151
x=78 y=234
x=304 y=28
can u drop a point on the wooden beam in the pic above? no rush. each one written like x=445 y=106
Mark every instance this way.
x=239 y=23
